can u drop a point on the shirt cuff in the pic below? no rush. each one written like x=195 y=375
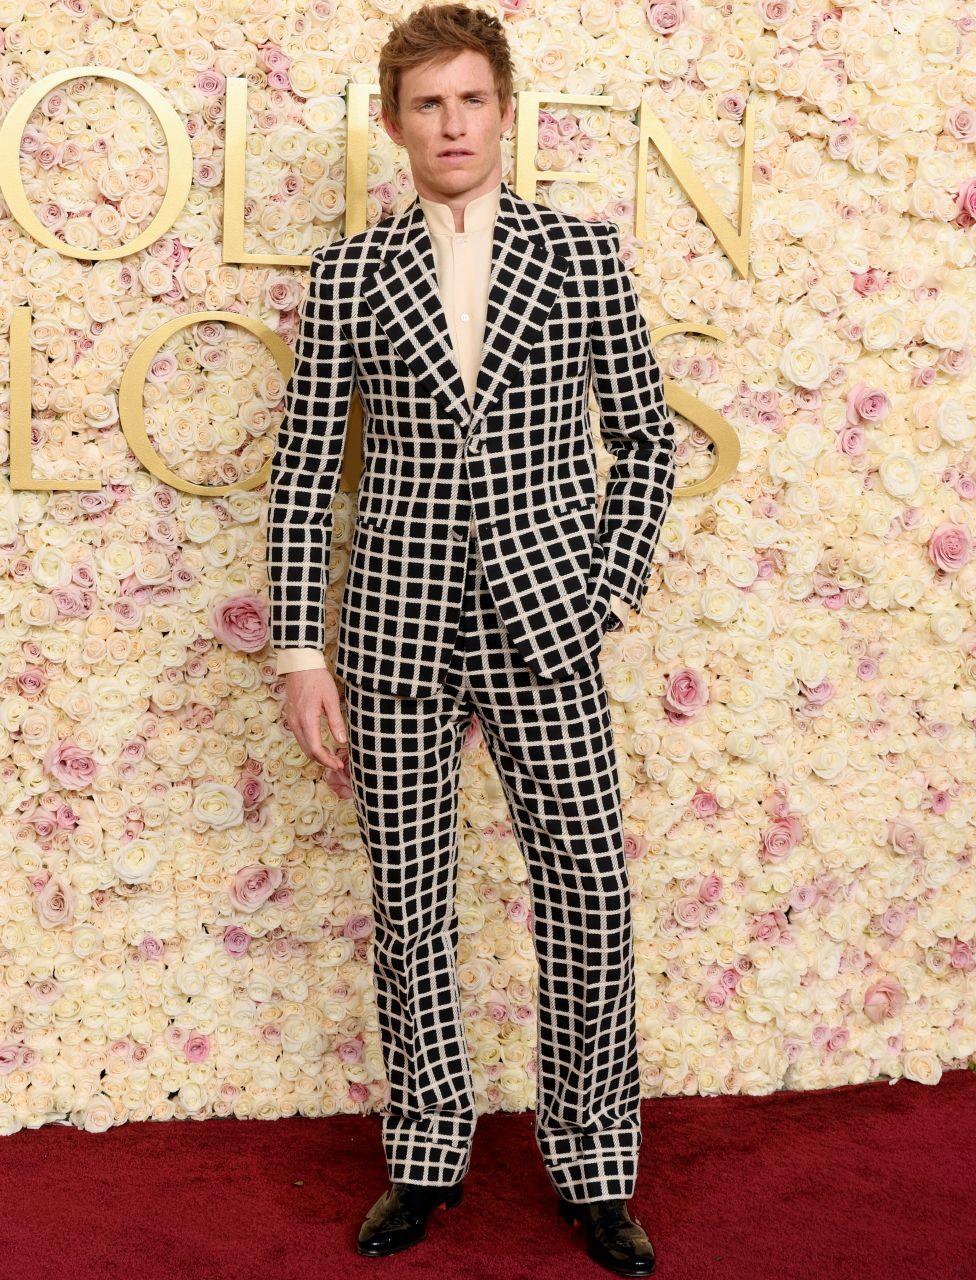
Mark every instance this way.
x=299 y=660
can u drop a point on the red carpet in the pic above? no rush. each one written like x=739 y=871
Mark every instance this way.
x=864 y=1182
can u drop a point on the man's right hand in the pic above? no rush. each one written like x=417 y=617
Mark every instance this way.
x=308 y=696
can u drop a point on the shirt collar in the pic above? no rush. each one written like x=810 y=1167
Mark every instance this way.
x=479 y=213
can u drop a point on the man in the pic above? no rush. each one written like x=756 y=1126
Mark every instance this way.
x=479 y=583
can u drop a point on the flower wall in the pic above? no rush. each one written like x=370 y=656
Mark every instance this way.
x=185 y=904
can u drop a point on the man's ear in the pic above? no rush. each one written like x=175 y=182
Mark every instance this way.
x=391 y=129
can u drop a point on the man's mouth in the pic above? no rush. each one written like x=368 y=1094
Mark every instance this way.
x=456 y=151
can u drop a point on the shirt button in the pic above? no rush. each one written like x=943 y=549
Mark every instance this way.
x=464 y=315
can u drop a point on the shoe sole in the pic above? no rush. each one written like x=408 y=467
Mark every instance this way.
x=450 y=1202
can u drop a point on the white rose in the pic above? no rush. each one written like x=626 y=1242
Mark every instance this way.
x=899 y=475
x=201 y=525
x=718 y=604
x=953 y=421
x=948 y=625
x=881 y=329
x=116 y=558
x=828 y=761
x=136 y=862
x=804 y=362
x=218 y=804
x=98 y=1114
x=922 y=1065
x=946 y=325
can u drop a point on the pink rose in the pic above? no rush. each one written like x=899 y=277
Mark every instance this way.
x=768 y=927
x=254 y=885
x=688 y=911
x=45 y=991
x=350 y=1050
x=210 y=83
x=685 y=695
x=851 y=441
x=940 y=801
x=961 y=123
x=871 y=281
x=704 y=804
x=818 y=695
x=10 y=1058
x=893 y=922
x=31 y=681
x=359 y=925
x=793 y=1048
x=732 y=105
x=803 y=897
x=710 y=889
x=54 y=903
x=69 y=765
x=884 y=999
x=197 y=1047
x=950 y=547
x=241 y=622
x=780 y=839
x=665 y=17
x=151 y=948
x=252 y=789
x=866 y=404
x=966 y=203
x=236 y=940
x=904 y=837
x=635 y=846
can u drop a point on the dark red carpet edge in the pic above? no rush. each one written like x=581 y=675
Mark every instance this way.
x=864 y=1182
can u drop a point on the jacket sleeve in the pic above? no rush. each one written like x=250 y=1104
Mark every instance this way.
x=306 y=467
x=635 y=425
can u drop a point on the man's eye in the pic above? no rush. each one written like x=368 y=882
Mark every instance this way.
x=473 y=98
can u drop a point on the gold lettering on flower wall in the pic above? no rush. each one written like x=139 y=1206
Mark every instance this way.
x=734 y=242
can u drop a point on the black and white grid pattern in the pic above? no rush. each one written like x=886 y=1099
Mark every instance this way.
x=553 y=748
x=563 y=315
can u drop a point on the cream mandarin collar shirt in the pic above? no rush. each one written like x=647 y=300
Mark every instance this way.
x=463 y=262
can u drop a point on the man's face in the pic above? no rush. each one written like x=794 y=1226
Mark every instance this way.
x=451 y=106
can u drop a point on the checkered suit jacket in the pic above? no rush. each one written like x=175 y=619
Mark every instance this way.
x=562 y=315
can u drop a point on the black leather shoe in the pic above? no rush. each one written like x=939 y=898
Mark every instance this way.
x=614 y=1239
x=398 y=1219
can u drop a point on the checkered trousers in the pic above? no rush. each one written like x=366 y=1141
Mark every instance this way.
x=563 y=318
x=552 y=745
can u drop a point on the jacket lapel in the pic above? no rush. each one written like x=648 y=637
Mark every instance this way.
x=526 y=278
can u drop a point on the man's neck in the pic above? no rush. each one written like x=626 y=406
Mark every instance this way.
x=459 y=200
